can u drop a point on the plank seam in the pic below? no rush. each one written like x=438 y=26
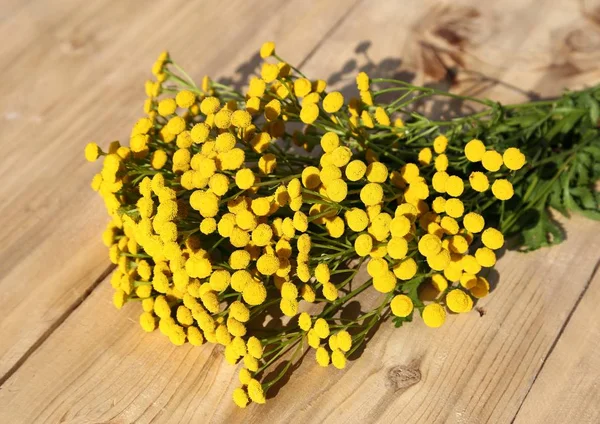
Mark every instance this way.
x=329 y=32
x=558 y=336
x=62 y=318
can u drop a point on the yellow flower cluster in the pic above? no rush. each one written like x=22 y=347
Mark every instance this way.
x=215 y=220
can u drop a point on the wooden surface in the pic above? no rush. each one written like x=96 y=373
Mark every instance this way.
x=74 y=74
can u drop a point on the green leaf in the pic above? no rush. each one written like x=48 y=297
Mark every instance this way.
x=565 y=124
x=398 y=321
x=594 y=107
x=545 y=233
x=411 y=287
x=586 y=197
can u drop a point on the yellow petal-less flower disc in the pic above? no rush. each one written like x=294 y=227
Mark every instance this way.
x=440 y=143
x=371 y=194
x=401 y=305
x=338 y=359
x=474 y=150
x=397 y=247
x=458 y=301
x=434 y=315
x=454 y=208
x=363 y=245
x=362 y=81
x=492 y=238
x=357 y=219
x=492 y=160
x=513 y=159
x=479 y=181
x=439 y=261
x=333 y=102
x=185 y=99
x=406 y=269
x=439 y=181
x=473 y=222
x=503 y=189
x=269 y=72
x=425 y=156
x=240 y=397
x=485 y=257
x=454 y=186
x=385 y=282
x=377 y=172
x=429 y=245
x=309 y=113
x=322 y=356
x=92 y=152
x=441 y=163
x=481 y=288
x=337 y=190
x=267 y=49
x=439 y=282
x=355 y=170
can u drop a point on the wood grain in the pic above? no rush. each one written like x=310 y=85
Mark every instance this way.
x=86 y=67
x=567 y=389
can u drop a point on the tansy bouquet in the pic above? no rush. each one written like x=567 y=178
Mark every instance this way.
x=228 y=208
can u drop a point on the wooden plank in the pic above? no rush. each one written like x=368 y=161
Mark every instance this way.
x=86 y=67
x=98 y=366
x=566 y=390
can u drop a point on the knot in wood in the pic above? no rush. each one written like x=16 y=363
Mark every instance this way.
x=402 y=377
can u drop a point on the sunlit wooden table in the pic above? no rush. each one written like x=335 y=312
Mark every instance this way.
x=73 y=72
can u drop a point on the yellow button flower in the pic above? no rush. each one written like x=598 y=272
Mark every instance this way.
x=434 y=315
x=401 y=305
x=454 y=208
x=473 y=222
x=492 y=238
x=485 y=257
x=397 y=247
x=92 y=152
x=458 y=301
x=441 y=163
x=454 y=186
x=429 y=245
x=492 y=160
x=425 y=156
x=406 y=269
x=440 y=143
x=355 y=170
x=481 y=288
x=439 y=181
x=357 y=219
x=371 y=194
x=513 y=159
x=479 y=181
x=363 y=245
x=322 y=356
x=338 y=359
x=269 y=72
x=333 y=102
x=362 y=81
x=385 y=282
x=267 y=264
x=309 y=113
x=474 y=150
x=302 y=87
x=267 y=49
x=503 y=189
x=377 y=172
